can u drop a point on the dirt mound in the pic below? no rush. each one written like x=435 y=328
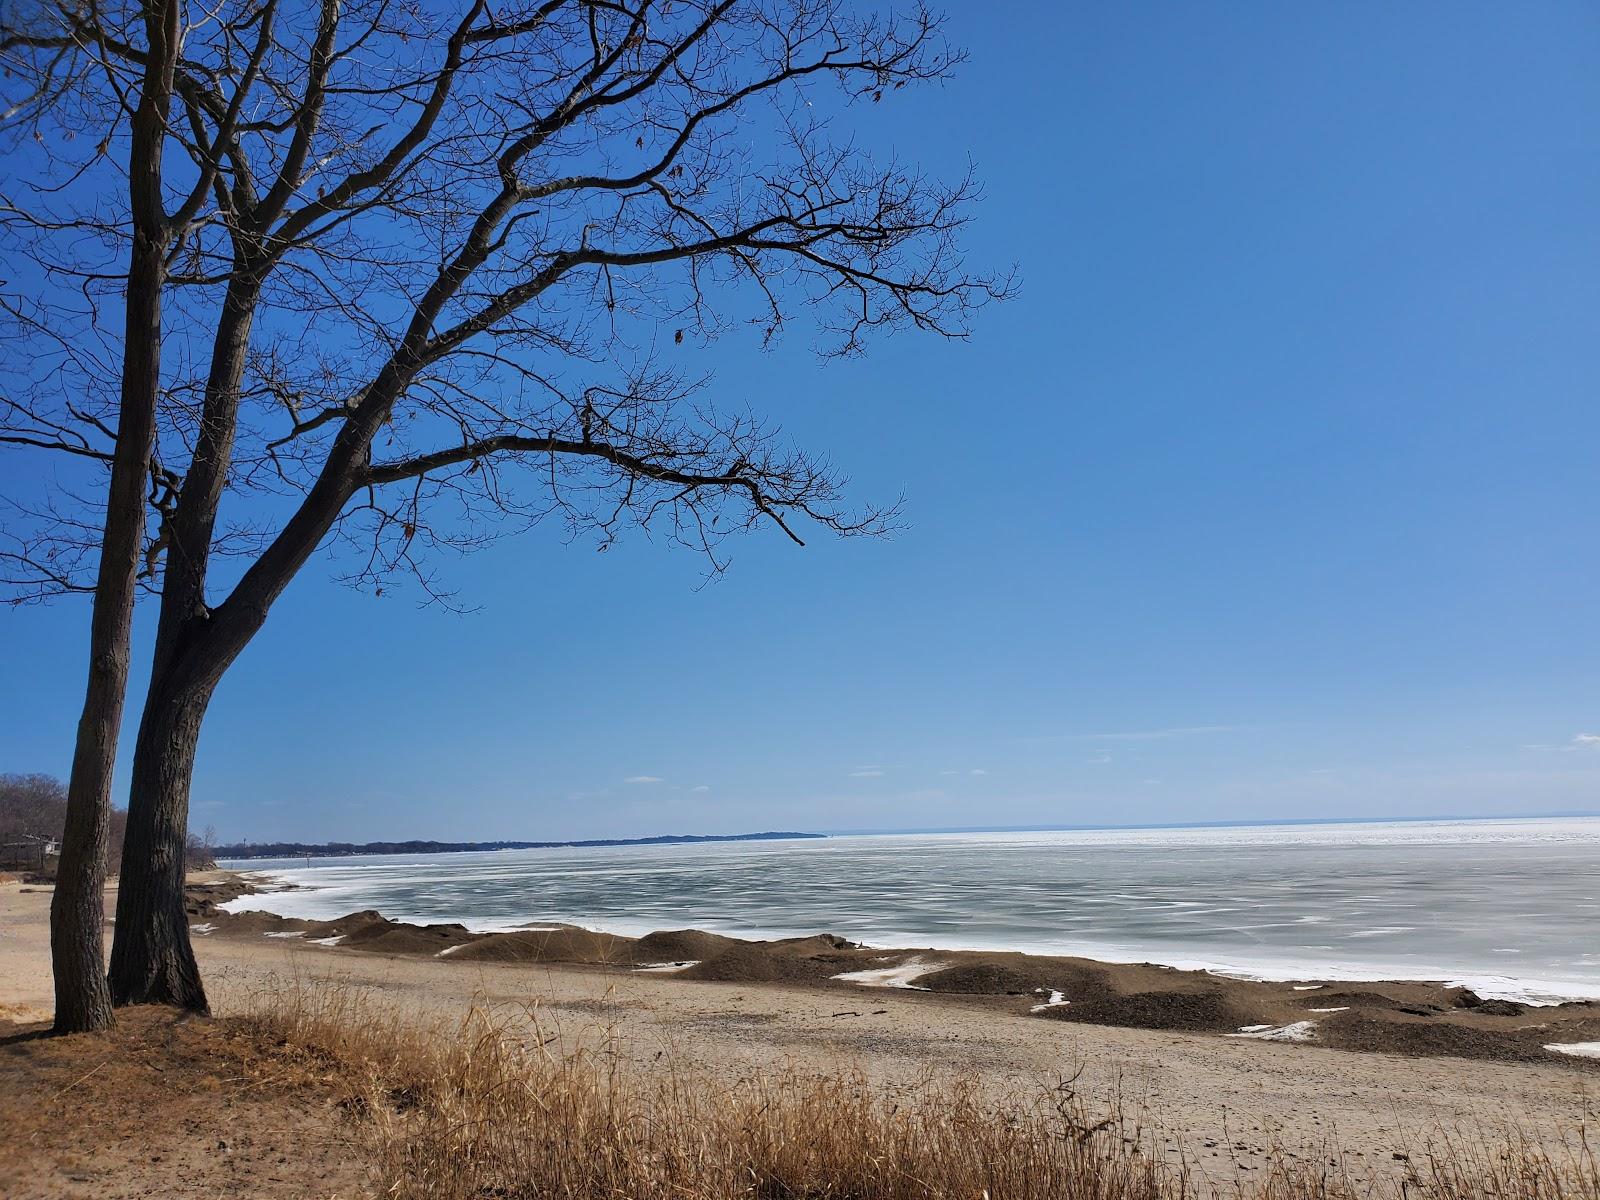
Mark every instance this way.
x=1194 y=1012
x=1348 y=999
x=351 y=925
x=985 y=979
x=406 y=939
x=255 y=922
x=680 y=945
x=1397 y=1035
x=751 y=963
x=816 y=943
x=1499 y=1008
x=546 y=945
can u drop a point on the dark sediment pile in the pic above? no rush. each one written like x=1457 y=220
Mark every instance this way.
x=985 y=979
x=680 y=945
x=753 y=963
x=1206 y=1011
x=546 y=945
x=392 y=938
x=1405 y=1034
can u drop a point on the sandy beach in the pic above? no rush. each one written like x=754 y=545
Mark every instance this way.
x=1229 y=1104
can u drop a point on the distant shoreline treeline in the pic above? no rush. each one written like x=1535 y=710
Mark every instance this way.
x=351 y=849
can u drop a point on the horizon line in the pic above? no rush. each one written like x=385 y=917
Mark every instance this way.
x=1229 y=823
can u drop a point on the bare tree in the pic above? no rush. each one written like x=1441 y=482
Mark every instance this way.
x=55 y=61
x=33 y=815
x=452 y=265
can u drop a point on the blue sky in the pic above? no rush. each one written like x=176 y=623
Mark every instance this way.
x=1273 y=494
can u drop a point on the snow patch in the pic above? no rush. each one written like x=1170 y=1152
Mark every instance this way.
x=1297 y=1031
x=1576 y=1049
x=893 y=977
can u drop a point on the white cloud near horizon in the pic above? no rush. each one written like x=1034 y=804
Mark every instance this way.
x=1587 y=741
x=867 y=773
x=642 y=779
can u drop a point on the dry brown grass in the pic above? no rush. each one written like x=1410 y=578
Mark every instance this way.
x=486 y=1110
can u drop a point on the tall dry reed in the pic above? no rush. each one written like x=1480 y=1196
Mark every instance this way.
x=486 y=1109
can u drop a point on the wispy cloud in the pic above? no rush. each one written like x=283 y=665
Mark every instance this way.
x=701 y=788
x=867 y=773
x=1587 y=741
x=642 y=779
x=977 y=771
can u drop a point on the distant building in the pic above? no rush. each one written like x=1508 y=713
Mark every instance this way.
x=28 y=850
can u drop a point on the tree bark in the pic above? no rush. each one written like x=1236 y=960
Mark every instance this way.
x=152 y=956
x=152 y=959
x=77 y=910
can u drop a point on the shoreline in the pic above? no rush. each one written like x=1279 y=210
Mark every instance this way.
x=1232 y=1107
x=1418 y=1018
x=1527 y=991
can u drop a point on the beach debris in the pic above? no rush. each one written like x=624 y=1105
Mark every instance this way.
x=893 y=977
x=1576 y=1049
x=1295 y=1031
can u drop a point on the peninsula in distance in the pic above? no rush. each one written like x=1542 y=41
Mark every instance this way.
x=352 y=849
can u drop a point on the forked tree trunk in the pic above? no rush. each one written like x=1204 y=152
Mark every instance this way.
x=152 y=960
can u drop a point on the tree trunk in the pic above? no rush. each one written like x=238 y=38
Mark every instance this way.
x=77 y=910
x=152 y=960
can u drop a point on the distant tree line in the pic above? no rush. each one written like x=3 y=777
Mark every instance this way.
x=348 y=849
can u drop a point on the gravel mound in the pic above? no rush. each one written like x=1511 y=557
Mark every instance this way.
x=546 y=945
x=750 y=963
x=680 y=945
x=406 y=939
x=985 y=979
x=1397 y=1035
x=1194 y=1012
